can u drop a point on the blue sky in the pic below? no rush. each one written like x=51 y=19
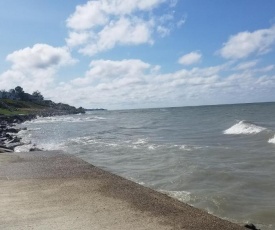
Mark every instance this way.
x=121 y=54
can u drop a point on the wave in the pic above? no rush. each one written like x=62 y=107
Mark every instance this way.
x=244 y=127
x=272 y=140
x=64 y=119
x=183 y=196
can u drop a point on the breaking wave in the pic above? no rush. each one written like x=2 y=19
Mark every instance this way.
x=244 y=127
x=67 y=119
x=272 y=140
x=183 y=196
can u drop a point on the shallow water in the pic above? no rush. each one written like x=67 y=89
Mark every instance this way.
x=218 y=158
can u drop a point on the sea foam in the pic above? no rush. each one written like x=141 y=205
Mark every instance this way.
x=272 y=140
x=244 y=127
x=65 y=119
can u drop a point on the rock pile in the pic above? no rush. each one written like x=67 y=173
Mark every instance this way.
x=8 y=134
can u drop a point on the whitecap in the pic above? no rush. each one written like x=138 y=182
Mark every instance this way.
x=140 y=142
x=23 y=148
x=272 y=140
x=64 y=119
x=185 y=147
x=152 y=147
x=183 y=196
x=244 y=127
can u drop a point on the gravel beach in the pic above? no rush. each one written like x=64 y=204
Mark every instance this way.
x=54 y=190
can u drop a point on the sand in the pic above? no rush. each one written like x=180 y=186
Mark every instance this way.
x=54 y=190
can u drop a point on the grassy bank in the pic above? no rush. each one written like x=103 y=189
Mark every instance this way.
x=15 y=107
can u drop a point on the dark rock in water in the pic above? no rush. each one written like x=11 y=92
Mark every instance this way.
x=3 y=126
x=14 y=145
x=8 y=136
x=5 y=150
x=251 y=226
x=12 y=130
x=35 y=149
x=14 y=140
x=4 y=147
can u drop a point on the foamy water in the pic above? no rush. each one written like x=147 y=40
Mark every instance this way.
x=217 y=158
x=272 y=140
x=244 y=127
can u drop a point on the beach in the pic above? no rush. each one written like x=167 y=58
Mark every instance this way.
x=54 y=190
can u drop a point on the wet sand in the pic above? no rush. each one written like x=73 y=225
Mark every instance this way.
x=54 y=190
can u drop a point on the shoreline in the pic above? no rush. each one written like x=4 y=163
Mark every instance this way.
x=9 y=139
x=55 y=190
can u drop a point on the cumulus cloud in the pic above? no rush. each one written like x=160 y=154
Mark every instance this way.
x=77 y=38
x=123 y=31
x=100 y=25
x=35 y=67
x=134 y=83
x=40 y=56
x=108 y=71
x=96 y=13
x=190 y=58
x=246 y=43
x=131 y=83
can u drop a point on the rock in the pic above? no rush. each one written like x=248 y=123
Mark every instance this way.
x=251 y=226
x=5 y=150
x=4 y=147
x=13 y=145
x=8 y=136
x=14 y=140
x=3 y=126
x=35 y=149
x=12 y=130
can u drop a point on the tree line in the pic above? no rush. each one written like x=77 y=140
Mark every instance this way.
x=18 y=93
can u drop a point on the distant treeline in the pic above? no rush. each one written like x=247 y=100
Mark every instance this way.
x=17 y=94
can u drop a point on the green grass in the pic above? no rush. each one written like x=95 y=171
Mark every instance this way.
x=7 y=112
x=22 y=104
x=20 y=107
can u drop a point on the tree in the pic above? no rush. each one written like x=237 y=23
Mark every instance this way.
x=4 y=93
x=19 y=89
x=20 y=92
x=12 y=91
x=38 y=95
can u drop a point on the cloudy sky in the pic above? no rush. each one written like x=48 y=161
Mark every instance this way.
x=123 y=54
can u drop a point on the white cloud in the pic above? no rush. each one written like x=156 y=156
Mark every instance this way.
x=123 y=32
x=104 y=71
x=87 y=16
x=77 y=38
x=190 y=58
x=247 y=65
x=131 y=83
x=35 y=67
x=101 y=25
x=246 y=43
x=134 y=83
x=96 y=13
x=40 y=56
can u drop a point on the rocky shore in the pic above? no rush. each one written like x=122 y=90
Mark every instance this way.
x=8 y=133
x=9 y=139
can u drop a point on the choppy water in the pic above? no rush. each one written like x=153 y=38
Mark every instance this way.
x=218 y=158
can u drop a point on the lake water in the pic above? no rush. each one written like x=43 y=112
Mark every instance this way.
x=217 y=158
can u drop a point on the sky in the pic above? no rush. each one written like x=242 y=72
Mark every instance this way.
x=127 y=54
